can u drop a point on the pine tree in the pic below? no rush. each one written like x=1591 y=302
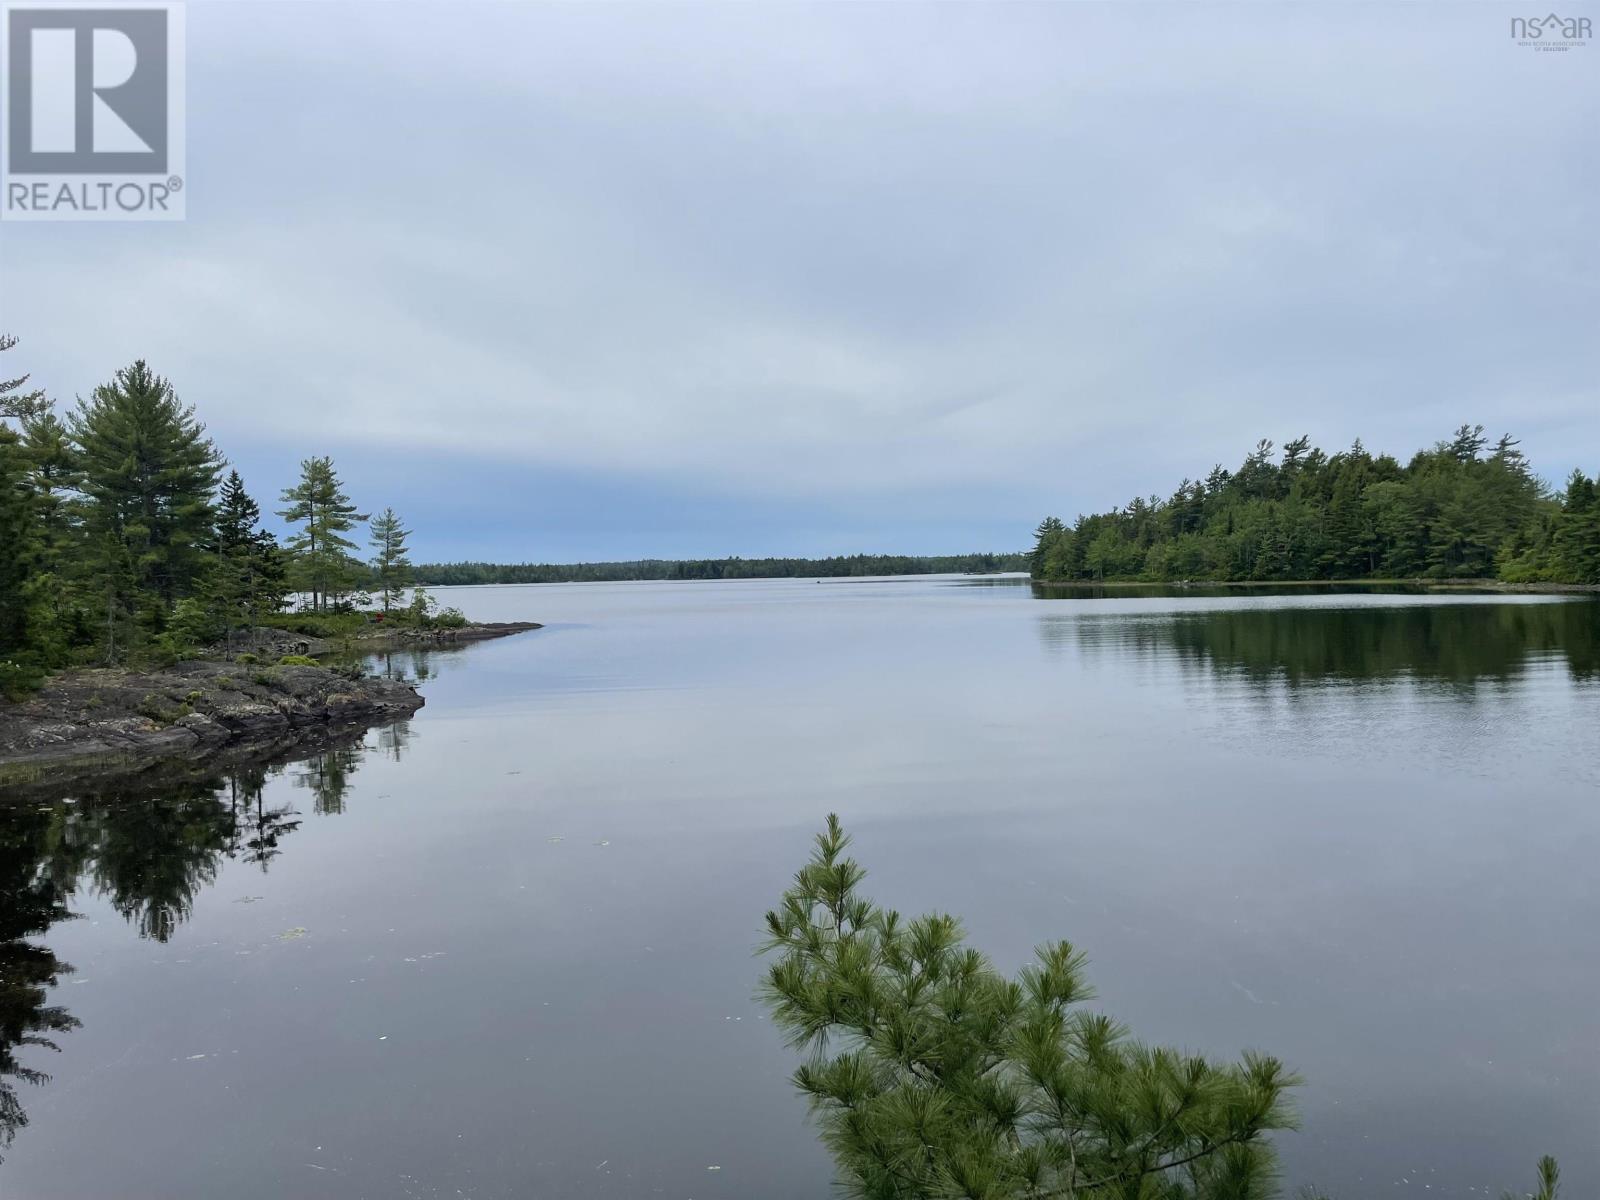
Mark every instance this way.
x=148 y=473
x=390 y=564
x=14 y=402
x=1043 y=536
x=320 y=553
x=1575 y=549
x=934 y=1075
x=18 y=551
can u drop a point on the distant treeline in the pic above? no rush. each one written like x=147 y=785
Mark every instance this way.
x=1463 y=509
x=448 y=574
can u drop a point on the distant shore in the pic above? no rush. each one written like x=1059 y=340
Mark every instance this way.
x=95 y=725
x=1423 y=585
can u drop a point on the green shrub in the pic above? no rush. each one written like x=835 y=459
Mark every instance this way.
x=17 y=679
x=157 y=709
x=332 y=626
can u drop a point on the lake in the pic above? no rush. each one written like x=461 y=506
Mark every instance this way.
x=505 y=949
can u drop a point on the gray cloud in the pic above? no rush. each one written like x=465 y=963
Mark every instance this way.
x=1048 y=256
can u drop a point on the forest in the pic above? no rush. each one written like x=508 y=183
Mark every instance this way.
x=1464 y=509
x=125 y=539
x=839 y=567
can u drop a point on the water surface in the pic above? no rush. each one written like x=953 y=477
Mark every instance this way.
x=505 y=949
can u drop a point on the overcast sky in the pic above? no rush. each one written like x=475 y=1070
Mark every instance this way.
x=606 y=281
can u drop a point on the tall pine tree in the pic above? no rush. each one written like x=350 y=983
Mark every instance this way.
x=320 y=553
x=14 y=402
x=390 y=564
x=148 y=472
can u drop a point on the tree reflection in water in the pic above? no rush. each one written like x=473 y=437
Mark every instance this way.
x=1455 y=645
x=150 y=851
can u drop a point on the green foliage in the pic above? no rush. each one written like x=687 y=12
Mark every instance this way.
x=932 y=1075
x=329 y=625
x=160 y=710
x=249 y=575
x=18 y=678
x=420 y=610
x=192 y=625
x=390 y=566
x=14 y=402
x=449 y=618
x=297 y=660
x=1459 y=510
x=320 y=553
x=148 y=473
x=841 y=567
x=116 y=544
x=18 y=543
x=1549 y=1183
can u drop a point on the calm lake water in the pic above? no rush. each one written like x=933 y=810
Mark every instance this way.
x=505 y=949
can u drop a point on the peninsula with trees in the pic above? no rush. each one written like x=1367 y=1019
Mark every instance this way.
x=142 y=605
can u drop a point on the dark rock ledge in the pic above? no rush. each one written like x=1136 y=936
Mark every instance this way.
x=199 y=716
x=94 y=724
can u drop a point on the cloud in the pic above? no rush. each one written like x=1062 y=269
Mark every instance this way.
x=1037 y=257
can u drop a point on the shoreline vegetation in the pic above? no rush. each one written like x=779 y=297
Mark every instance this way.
x=143 y=607
x=1464 y=510
x=124 y=545
x=841 y=566
x=1357 y=584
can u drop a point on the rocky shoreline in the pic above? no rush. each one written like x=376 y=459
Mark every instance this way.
x=96 y=725
x=375 y=639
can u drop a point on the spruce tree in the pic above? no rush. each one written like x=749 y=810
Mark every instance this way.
x=237 y=515
x=148 y=473
x=319 y=552
x=248 y=578
x=390 y=564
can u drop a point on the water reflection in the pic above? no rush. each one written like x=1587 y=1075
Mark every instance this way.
x=405 y=666
x=150 y=851
x=37 y=870
x=1452 y=644
x=327 y=777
